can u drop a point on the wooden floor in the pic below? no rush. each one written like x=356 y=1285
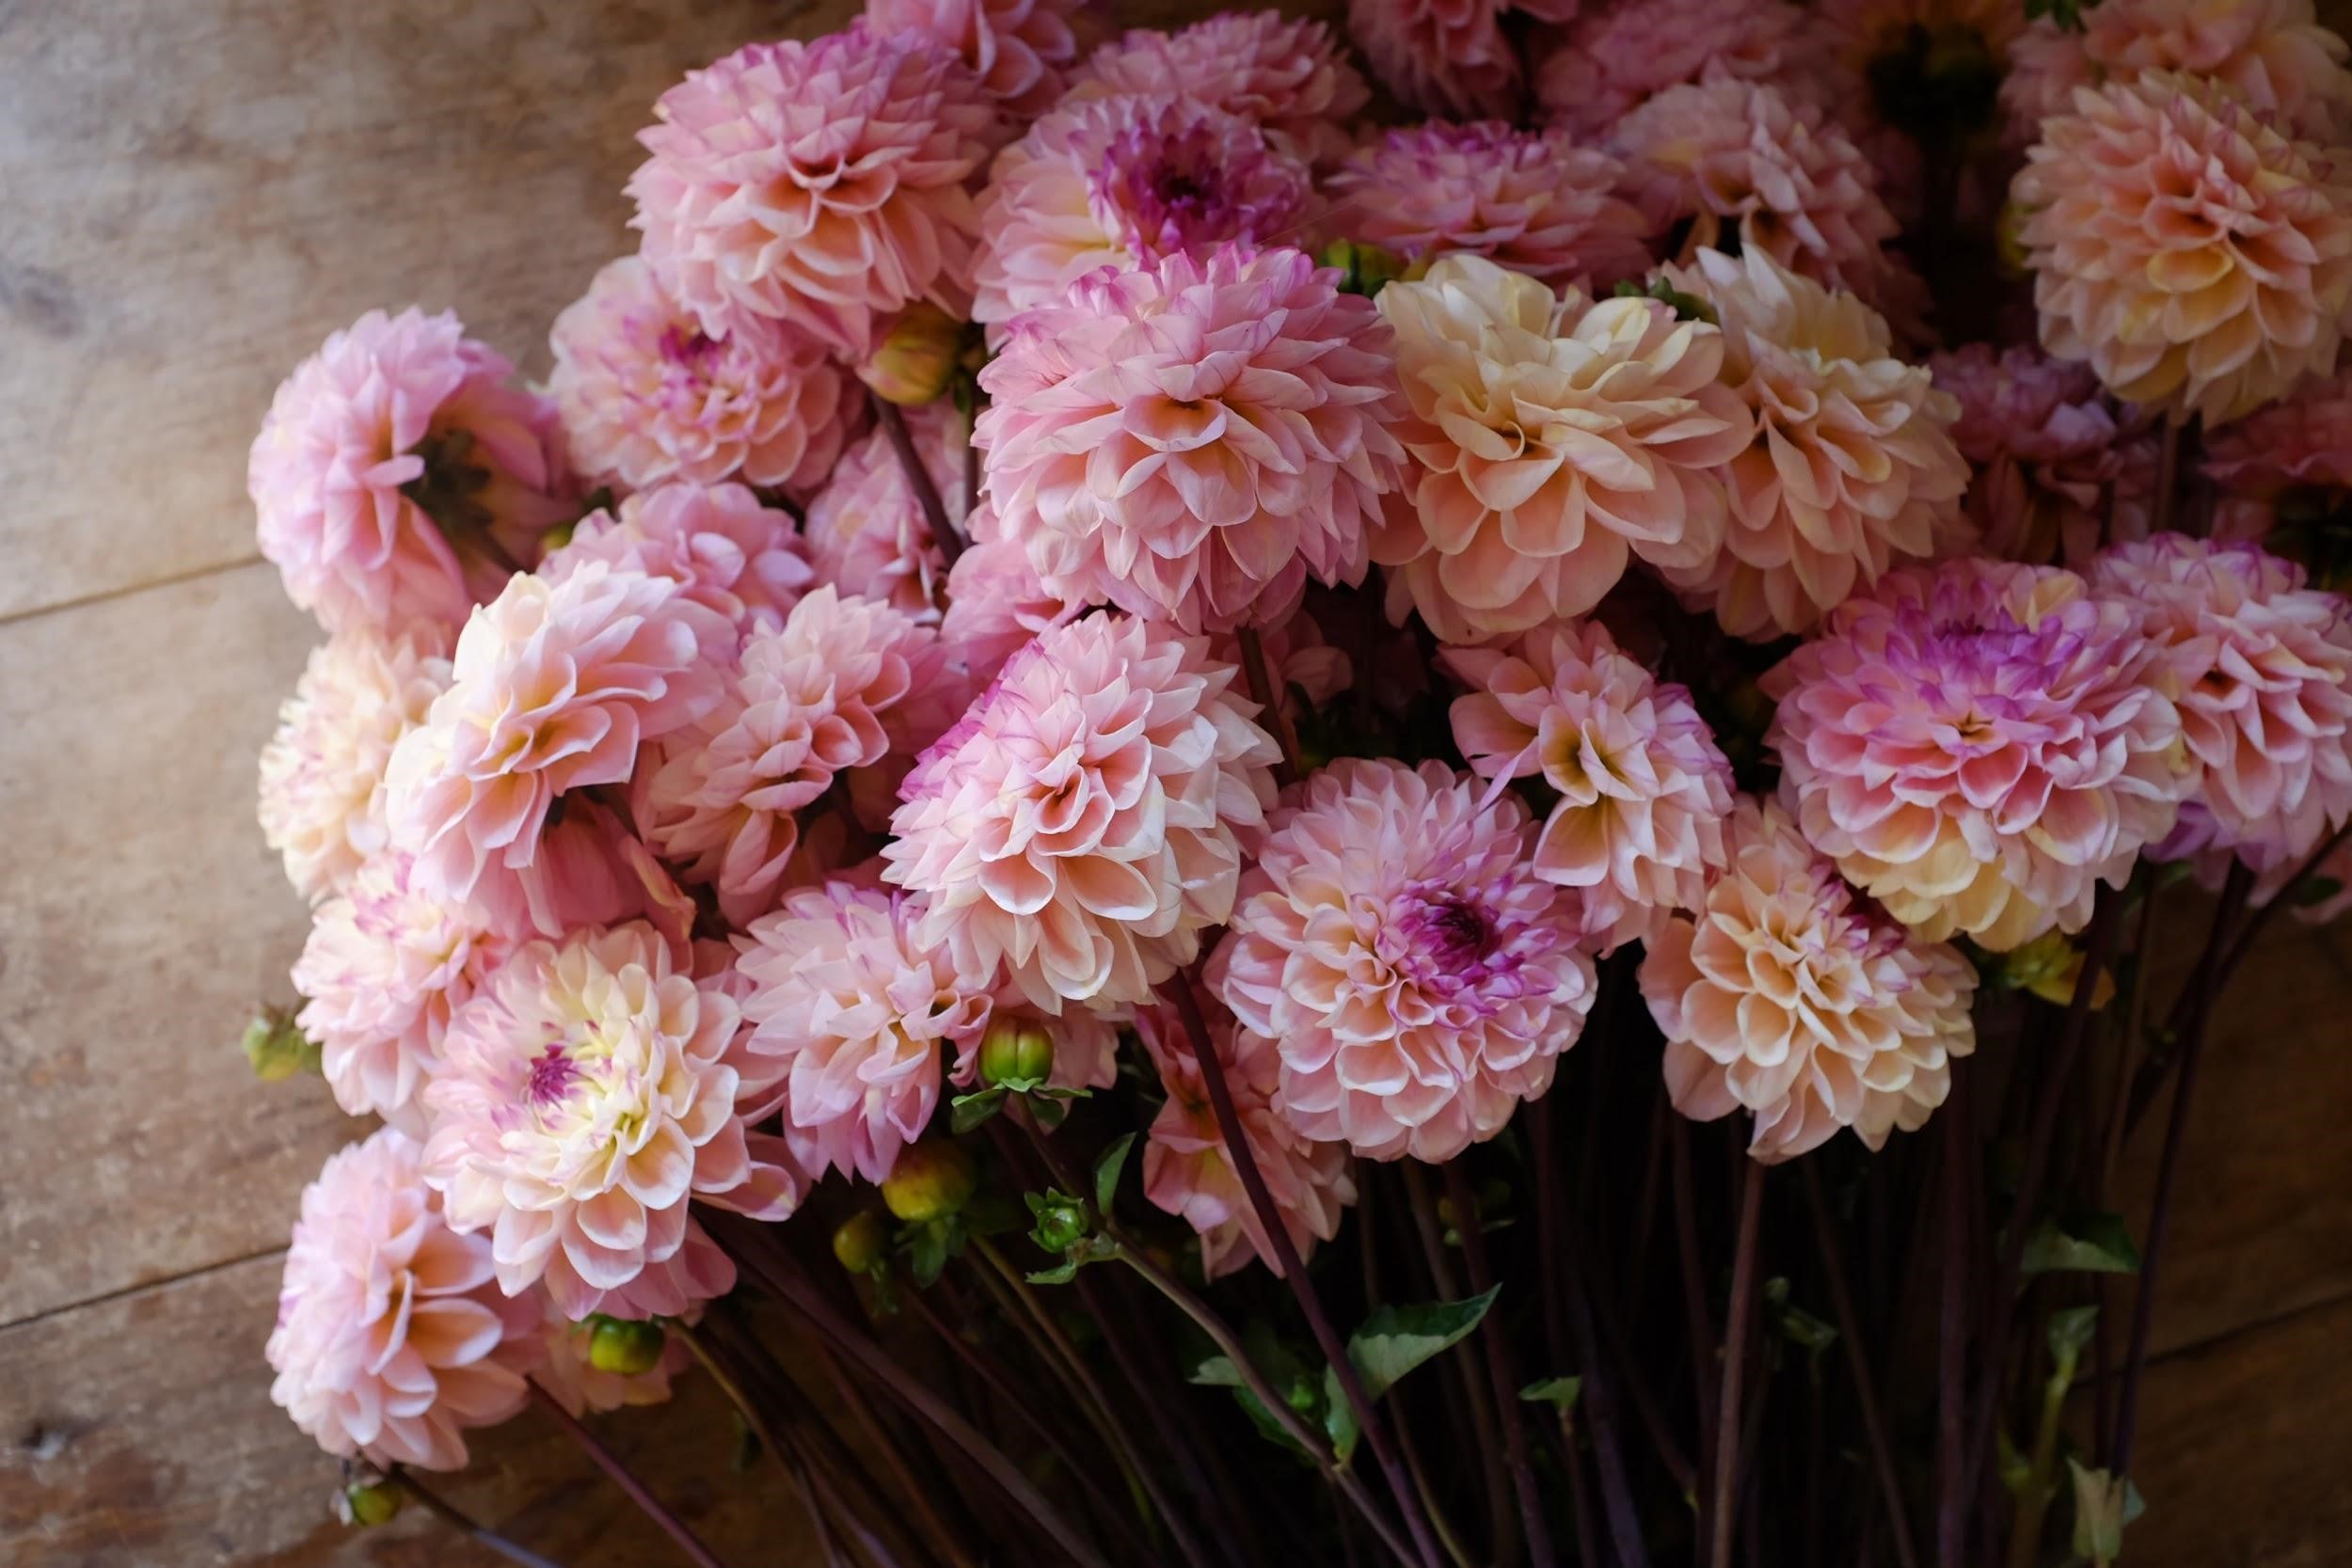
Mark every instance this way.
x=195 y=192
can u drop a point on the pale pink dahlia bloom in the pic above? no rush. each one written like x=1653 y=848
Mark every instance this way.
x=1189 y=1170
x=399 y=469
x=1448 y=56
x=1532 y=200
x=2199 y=260
x=1551 y=438
x=1612 y=58
x=1124 y=183
x=584 y=1097
x=590 y=869
x=1020 y=50
x=1979 y=745
x=717 y=543
x=2287 y=470
x=2057 y=473
x=1395 y=945
x=393 y=1338
x=1286 y=73
x=866 y=531
x=818 y=185
x=996 y=603
x=1788 y=995
x=1643 y=790
x=1193 y=440
x=322 y=799
x=1082 y=824
x=1852 y=467
x=555 y=686
x=579 y=1384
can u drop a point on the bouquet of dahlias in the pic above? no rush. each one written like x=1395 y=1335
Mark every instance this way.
x=1309 y=826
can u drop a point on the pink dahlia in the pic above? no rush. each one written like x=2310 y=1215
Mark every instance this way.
x=589 y=870
x=853 y=1015
x=1189 y=1170
x=1611 y=59
x=584 y=1100
x=865 y=529
x=1082 y=824
x=322 y=804
x=393 y=1338
x=579 y=1384
x=1532 y=200
x=1788 y=995
x=1643 y=790
x=817 y=186
x=1977 y=745
x=1287 y=74
x=2285 y=474
x=1395 y=946
x=996 y=603
x=1125 y=183
x=400 y=473
x=555 y=686
x=647 y=395
x=1448 y=56
x=721 y=547
x=2200 y=262
x=1193 y=440
x=2057 y=474
x=1551 y=438
x=1020 y=50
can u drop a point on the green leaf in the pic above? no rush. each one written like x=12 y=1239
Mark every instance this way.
x=2092 y=1243
x=928 y=1246
x=967 y=1111
x=1107 y=1171
x=1805 y=1331
x=2070 y=1332
x=1558 y=1392
x=1395 y=1340
x=2103 y=1506
x=1219 y=1371
x=1061 y=1274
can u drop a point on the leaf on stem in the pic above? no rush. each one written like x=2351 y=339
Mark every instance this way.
x=2089 y=1243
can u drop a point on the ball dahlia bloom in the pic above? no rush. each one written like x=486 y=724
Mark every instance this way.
x=400 y=473
x=2058 y=472
x=554 y=687
x=1448 y=56
x=866 y=531
x=1394 y=946
x=1188 y=1169
x=393 y=1338
x=996 y=603
x=1977 y=745
x=322 y=798
x=1124 y=183
x=1786 y=995
x=1020 y=50
x=1535 y=201
x=721 y=547
x=1193 y=440
x=1613 y=58
x=1287 y=74
x=1552 y=438
x=1852 y=465
x=2285 y=474
x=817 y=185
x=2197 y=259
x=1643 y=790
x=584 y=1097
x=1082 y=824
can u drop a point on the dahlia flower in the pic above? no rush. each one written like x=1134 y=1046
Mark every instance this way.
x=584 y=1099
x=1020 y=50
x=589 y=870
x=817 y=186
x=1287 y=74
x=399 y=474
x=2199 y=260
x=393 y=1338
x=1448 y=56
x=1125 y=183
x=1786 y=995
x=1193 y=441
x=1613 y=58
x=996 y=603
x=717 y=543
x=866 y=531
x=322 y=800
x=2057 y=474
x=1082 y=824
x=1979 y=744
x=1189 y=1170
x=1852 y=464
x=2285 y=474
x=583 y=1388
x=1532 y=200
x=1395 y=944
x=1551 y=438
x=1643 y=790
x=555 y=686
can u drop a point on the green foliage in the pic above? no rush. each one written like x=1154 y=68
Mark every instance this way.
x=2087 y=1243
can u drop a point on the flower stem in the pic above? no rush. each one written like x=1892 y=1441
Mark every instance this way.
x=523 y=1557
x=1743 y=1282
x=1858 y=1365
x=1952 y=1469
x=795 y=1467
x=945 y=533
x=1464 y=1363
x=1499 y=1369
x=1270 y=698
x=610 y=1462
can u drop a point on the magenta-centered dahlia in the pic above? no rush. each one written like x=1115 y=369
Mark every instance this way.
x=1192 y=441
x=866 y=533
x=1614 y=56
x=1082 y=824
x=1288 y=74
x=817 y=186
x=1019 y=49
x=1394 y=944
x=721 y=547
x=1977 y=745
x=2057 y=473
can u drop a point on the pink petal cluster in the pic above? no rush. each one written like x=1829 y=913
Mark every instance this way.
x=589 y=870
x=866 y=531
x=996 y=603
x=1977 y=745
x=1395 y=946
x=1189 y=1172
x=1082 y=825
x=1786 y=995
x=398 y=469
x=393 y=1338
x=1448 y=56
x=1288 y=74
x=1613 y=58
x=555 y=686
x=817 y=185
x=1125 y=183
x=721 y=547
x=1020 y=50
x=584 y=1389
x=584 y=1097
x=647 y=395
x=322 y=798
x=1643 y=790
x=1193 y=440
x=2057 y=473
x=1536 y=201
x=2287 y=468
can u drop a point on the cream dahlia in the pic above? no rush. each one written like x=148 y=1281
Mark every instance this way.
x=717 y=543
x=1396 y=947
x=866 y=531
x=1020 y=50
x=2057 y=473
x=1288 y=74
x=1786 y=995
x=2285 y=474
x=1614 y=56
x=1448 y=56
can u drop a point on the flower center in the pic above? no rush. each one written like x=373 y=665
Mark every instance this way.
x=552 y=1076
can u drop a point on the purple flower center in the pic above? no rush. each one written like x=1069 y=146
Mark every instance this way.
x=552 y=1076
x=1192 y=190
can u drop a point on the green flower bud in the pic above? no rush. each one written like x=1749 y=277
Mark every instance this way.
x=277 y=1045
x=1363 y=268
x=1016 y=1049
x=930 y=1182
x=860 y=1244
x=370 y=1503
x=920 y=355
x=625 y=1346
x=1061 y=1222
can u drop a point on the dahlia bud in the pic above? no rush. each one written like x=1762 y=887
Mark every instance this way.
x=1017 y=1051
x=2009 y=250
x=920 y=355
x=2050 y=967
x=368 y=1503
x=930 y=1182
x=1061 y=1221
x=277 y=1045
x=859 y=1245
x=624 y=1345
x=1363 y=268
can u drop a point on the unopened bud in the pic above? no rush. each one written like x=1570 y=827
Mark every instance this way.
x=624 y=1345
x=1061 y=1222
x=931 y=1181
x=920 y=355
x=860 y=1244
x=1363 y=268
x=2009 y=250
x=277 y=1045
x=370 y=1503
x=1016 y=1049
